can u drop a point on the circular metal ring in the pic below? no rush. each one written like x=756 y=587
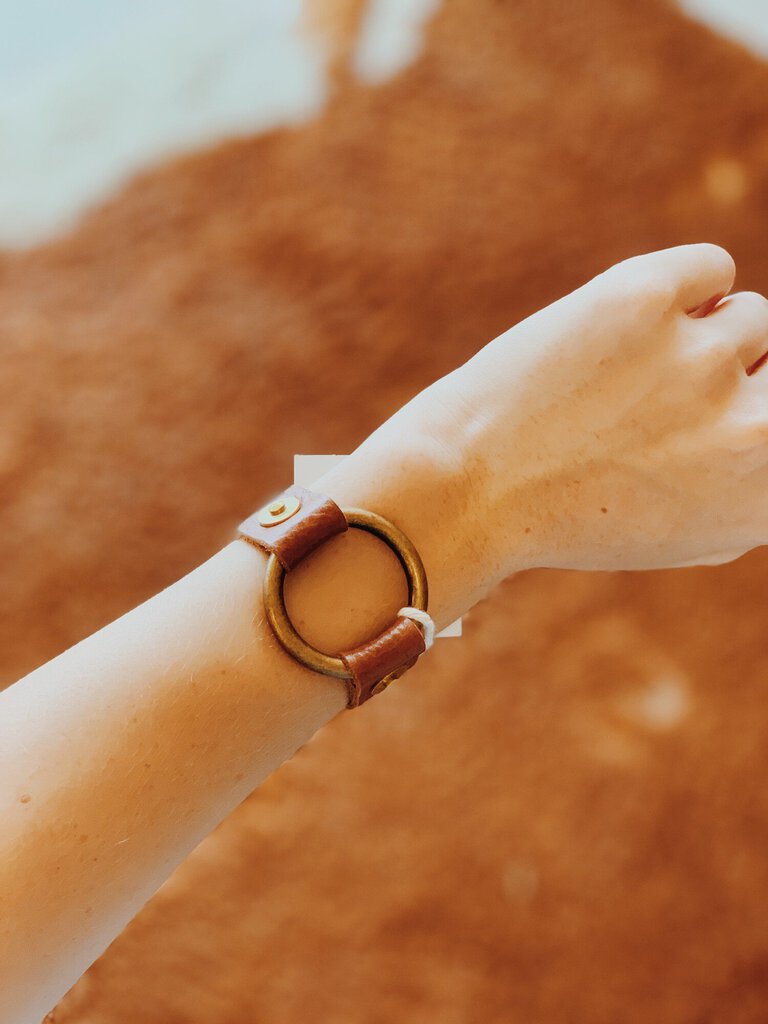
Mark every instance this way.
x=274 y=600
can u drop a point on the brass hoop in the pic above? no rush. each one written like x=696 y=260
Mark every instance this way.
x=274 y=600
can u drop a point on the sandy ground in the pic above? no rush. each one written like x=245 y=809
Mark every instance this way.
x=561 y=817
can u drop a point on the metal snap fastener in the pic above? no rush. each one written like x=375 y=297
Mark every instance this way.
x=278 y=511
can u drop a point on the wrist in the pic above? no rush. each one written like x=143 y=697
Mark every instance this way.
x=492 y=487
x=410 y=477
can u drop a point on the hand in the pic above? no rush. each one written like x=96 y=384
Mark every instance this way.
x=618 y=428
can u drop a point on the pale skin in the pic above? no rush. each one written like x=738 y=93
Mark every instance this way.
x=618 y=428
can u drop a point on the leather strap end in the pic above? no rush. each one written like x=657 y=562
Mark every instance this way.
x=389 y=654
x=317 y=519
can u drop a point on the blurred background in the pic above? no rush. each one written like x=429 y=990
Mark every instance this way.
x=219 y=224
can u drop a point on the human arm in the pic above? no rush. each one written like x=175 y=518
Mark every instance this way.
x=144 y=736
x=123 y=753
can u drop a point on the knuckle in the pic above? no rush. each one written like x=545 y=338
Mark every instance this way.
x=634 y=280
x=748 y=435
x=625 y=271
x=705 y=359
x=753 y=303
x=716 y=256
x=759 y=435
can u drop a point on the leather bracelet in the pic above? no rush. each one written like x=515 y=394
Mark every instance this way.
x=297 y=522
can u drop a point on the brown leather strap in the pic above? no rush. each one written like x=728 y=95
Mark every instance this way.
x=291 y=526
x=382 y=659
x=317 y=519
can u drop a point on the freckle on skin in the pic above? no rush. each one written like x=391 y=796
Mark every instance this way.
x=527 y=529
x=24 y=798
x=603 y=509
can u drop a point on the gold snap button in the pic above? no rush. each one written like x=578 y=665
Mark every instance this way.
x=278 y=511
x=382 y=684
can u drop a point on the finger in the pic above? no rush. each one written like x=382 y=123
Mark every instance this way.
x=699 y=274
x=742 y=320
x=699 y=312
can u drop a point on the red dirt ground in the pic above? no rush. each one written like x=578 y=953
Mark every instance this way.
x=561 y=818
